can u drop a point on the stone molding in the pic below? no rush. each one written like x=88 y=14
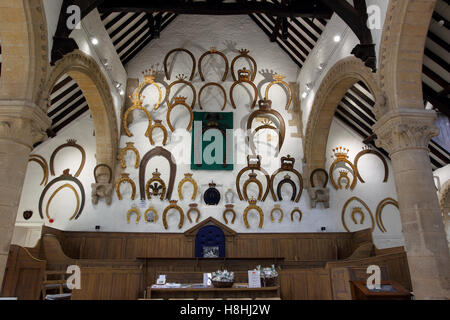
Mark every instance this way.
x=85 y=71
x=406 y=129
x=344 y=74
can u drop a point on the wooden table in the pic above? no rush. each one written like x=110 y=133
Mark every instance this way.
x=213 y=293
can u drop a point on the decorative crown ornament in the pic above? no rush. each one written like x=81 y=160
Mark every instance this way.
x=343 y=173
x=229 y=206
x=341 y=153
x=149 y=75
x=278 y=77
x=244 y=52
x=265 y=104
x=173 y=202
x=156 y=174
x=182 y=76
x=244 y=74
x=252 y=201
x=193 y=205
x=71 y=142
x=287 y=162
x=180 y=99
x=137 y=101
x=212 y=185
x=213 y=49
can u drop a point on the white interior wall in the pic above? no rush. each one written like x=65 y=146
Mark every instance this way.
x=52 y=8
x=223 y=31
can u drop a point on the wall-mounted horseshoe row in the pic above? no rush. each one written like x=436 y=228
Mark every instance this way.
x=137 y=105
x=130 y=147
x=65 y=177
x=125 y=178
x=157 y=125
x=180 y=101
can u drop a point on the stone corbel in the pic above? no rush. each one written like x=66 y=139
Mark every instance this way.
x=319 y=195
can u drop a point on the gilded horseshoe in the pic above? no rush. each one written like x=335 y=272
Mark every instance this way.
x=69 y=186
x=244 y=78
x=130 y=147
x=209 y=84
x=378 y=216
x=354 y=173
x=153 y=210
x=187 y=179
x=138 y=215
x=166 y=70
x=277 y=209
x=297 y=210
x=368 y=151
x=193 y=208
x=244 y=54
x=137 y=105
x=43 y=164
x=173 y=205
x=180 y=101
x=155 y=179
x=229 y=209
x=287 y=180
x=158 y=125
x=253 y=206
x=278 y=79
x=252 y=179
x=149 y=80
x=210 y=52
x=125 y=179
x=344 y=209
x=181 y=80
x=356 y=211
x=64 y=177
x=71 y=143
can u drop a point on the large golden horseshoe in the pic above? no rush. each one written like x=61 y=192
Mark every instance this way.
x=297 y=210
x=365 y=152
x=125 y=178
x=54 y=194
x=229 y=209
x=180 y=103
x=255 y=99
x=161 y=182
x=181 y=81
x=244 y=54
x=288 y=87
x=130 y=147
x=173 y=205
x=125 y=118
x=261 y=216
x=158 y=124
x=134 y=210
x=193 y=208
x=378 y=216
x=187 y=179
x=354 y=173
x=344 y=209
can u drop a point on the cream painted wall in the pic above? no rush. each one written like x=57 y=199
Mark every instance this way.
x=222 y=31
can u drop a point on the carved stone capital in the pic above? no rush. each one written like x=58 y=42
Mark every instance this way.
x=22 y=122
x=404 y=129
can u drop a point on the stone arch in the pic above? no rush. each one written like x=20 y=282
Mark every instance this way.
x=341 y=77
x=84 y=70
x=23 y=34
x=401 y=53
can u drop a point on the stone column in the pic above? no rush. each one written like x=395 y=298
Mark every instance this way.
x=21 y=125
x=405 y=134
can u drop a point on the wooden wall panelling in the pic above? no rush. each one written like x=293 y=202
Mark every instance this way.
x=23 y=275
